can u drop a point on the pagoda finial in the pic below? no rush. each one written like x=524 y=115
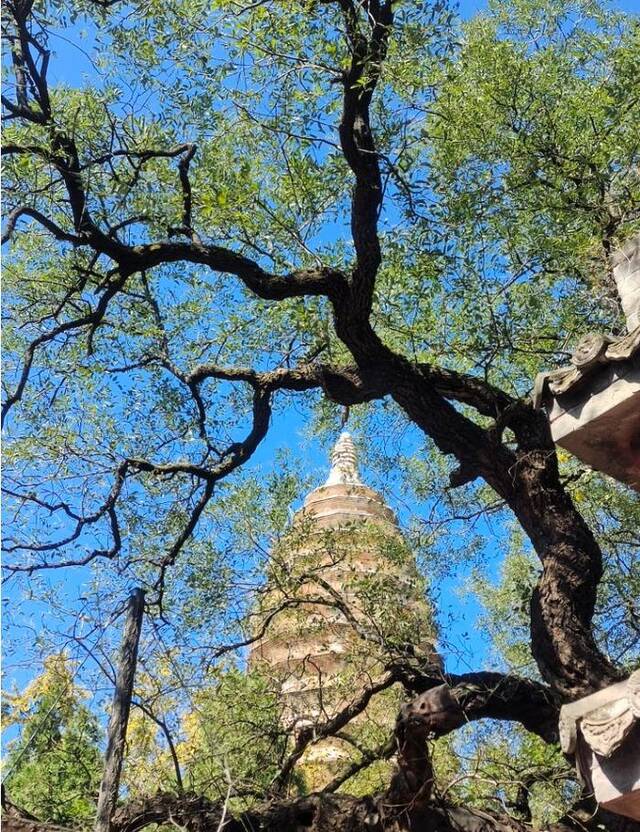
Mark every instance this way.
x=344 y=462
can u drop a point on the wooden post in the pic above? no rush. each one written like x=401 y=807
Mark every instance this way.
x=117 y=731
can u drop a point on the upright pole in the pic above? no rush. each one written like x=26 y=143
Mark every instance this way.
x=117 y=731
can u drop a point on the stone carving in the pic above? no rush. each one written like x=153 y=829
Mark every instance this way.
x=592 y=352
x=603 y=732
x=606 y=728
x=605 y=718
x=344 y=462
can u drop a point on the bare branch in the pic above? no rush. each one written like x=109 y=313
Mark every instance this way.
x=90 y=320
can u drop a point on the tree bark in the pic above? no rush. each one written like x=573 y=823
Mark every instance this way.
x=452 y=700
x=117 y=731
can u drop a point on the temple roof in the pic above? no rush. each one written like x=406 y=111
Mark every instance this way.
x=594 y=351
x=598 y=352
x=593 y=406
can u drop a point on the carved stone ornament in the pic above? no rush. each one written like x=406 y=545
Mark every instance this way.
x=593 y=351
x=606 y=728
x=605 y=718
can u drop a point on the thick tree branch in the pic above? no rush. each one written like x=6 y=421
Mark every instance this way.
x=409 y=792
x=448 y=701
x=527 y=478
x=357 y=142
x=313 y=813
x=347 y=384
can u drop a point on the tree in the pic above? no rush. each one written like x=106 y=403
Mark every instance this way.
x=319 y=205
x=53 y=768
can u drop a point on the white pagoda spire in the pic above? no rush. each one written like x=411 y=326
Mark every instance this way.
x=344 y=462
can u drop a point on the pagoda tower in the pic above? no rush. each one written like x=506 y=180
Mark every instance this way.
x=343 y=595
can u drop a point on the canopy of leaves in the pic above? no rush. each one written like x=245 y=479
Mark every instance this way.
x=508 y=154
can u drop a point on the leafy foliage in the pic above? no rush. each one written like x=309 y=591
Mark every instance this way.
x=507 y=150
x=53 y=767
